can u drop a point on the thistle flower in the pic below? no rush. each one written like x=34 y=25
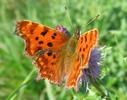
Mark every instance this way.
x=93 y=70
x=62 y=29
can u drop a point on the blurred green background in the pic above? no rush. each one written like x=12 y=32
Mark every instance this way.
x=17 y=74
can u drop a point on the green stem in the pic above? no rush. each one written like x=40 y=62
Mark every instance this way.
x=13 y=95
x=49 y=90
x=68 y=14
x=100 y=90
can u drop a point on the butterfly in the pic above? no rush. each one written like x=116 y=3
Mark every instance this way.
x=59 y=56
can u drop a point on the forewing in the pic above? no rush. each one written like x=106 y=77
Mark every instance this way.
x=85 y=43
x=38 y=37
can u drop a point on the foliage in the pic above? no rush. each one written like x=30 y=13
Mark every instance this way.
x=17 y=78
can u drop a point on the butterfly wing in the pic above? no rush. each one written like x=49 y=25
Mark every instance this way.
x=85 y=44
x=51 y=65
x=47 y=46
x=38 y=37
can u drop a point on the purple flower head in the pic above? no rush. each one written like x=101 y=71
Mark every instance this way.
x=62 y=29
x=93 y=70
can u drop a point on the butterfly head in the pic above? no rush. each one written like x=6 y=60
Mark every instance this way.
x=77 y=33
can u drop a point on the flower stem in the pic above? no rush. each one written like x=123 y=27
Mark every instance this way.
x=13 y=95
x=99 y=88
x=49 y=90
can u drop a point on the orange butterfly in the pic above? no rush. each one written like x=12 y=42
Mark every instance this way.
x=59 y=56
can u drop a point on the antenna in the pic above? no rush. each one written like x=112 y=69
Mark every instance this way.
x=68 y=14
x=93 y=19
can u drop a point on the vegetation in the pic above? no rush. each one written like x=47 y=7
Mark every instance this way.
x=17 y=74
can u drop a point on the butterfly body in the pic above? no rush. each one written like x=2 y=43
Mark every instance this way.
x=60 y=57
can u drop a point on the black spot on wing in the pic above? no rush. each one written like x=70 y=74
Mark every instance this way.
x=83 y=49
x=36 y=38
x=52 y=63
x=33 y=27
x=54 y=34
x=81 y=39
x=54 y=56
x=86 y=46
x=86 y=38
x=49 y=44
x=49 y=53
x=40 y=42
x=53 y=37
x=43 y=33
x=82 y=56
x=80 y=49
